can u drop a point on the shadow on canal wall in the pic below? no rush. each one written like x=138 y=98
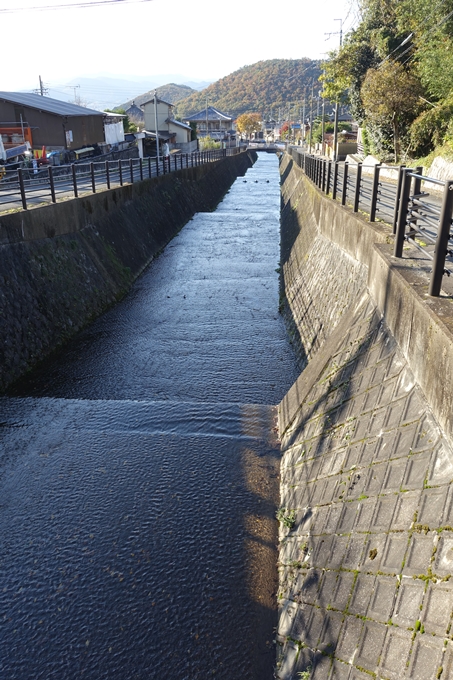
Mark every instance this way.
x=62 y=265
x=330 y=256
x=366 y=473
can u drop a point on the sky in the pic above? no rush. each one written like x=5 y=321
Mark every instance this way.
x=203 y=40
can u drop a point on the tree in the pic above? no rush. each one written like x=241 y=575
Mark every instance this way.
x=391 y=95
x=193 y=131
x=285 y=130
x=248 y=123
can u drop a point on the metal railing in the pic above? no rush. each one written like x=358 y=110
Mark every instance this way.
x=424 y=224
x=24 y=187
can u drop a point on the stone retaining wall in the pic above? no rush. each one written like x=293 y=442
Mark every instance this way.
x=62 y=265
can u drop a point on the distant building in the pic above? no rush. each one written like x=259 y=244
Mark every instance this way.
x=211 y=122
x=135 y=114
x=168 y=128
x=54 y=124
x=114 y=129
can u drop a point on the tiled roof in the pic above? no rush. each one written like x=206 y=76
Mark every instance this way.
x=213 y=114
x=159 y=101
x=178 y=123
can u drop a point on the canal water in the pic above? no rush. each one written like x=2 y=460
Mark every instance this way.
x=139 y=468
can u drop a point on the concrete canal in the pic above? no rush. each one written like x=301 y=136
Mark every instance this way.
x=139 y=468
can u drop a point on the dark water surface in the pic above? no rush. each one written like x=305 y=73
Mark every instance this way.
x=139 y=469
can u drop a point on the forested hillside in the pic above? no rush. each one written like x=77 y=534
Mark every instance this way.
x=396 y=71
x=170 y=93
x=262 y=87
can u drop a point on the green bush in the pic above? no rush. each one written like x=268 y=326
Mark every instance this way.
x=432 y=128
x=207 y=143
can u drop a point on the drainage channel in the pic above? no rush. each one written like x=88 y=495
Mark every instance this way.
x=139 y=468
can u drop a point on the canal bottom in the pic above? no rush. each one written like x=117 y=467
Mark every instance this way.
x=139 y=469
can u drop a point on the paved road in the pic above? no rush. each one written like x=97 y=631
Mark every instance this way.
x=37 y=185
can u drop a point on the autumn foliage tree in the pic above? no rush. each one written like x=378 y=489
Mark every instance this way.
x=248 y=123
x=390 y=95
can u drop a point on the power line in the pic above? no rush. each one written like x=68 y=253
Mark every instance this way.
x=75 y=5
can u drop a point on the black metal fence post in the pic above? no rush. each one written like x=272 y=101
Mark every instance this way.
x=417 y=186
x=131 y=170
x=329 y=175
x=345 y=184
x=93 y=180
x=358 y=182
x=52 y=185
x=374 y=192
x=157 y=167
x=141 y=169
x=20 y=175
x=335 y=180
x=402 y=213
x=397 y=199
x=149 y=167
x=74 y=181
x=120 y=168
x=107 y=174
x=324 y=170
x=443 y=236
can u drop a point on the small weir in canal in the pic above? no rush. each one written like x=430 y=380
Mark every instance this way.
x=139 y=468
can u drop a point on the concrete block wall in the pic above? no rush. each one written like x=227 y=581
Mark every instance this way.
x=354 y=256
x=366 y=516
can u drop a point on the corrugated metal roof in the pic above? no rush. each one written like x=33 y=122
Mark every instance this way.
x=35 y=101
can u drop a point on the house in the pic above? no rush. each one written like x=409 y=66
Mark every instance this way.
x=54 y=124
x=135 y=114
x=177 y=134
x=211 y=122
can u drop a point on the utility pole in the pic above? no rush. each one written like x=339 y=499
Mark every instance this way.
x=76 y=98
x=157 y=126
x=311 y=116
x=303 y=118
x=41 y=89
x=323 y=127
x=335 y=125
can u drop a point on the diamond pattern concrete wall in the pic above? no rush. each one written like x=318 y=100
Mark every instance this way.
x=366 y=529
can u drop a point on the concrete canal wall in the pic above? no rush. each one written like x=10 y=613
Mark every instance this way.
x=62 y=265
x=330 y=256
x=366 y=538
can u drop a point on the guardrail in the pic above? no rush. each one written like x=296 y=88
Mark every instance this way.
x=427 y=225
x=48 y=184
